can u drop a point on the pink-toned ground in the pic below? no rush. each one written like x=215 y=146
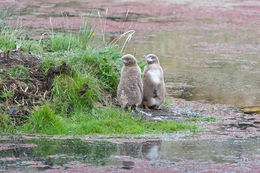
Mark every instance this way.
x=231 y=123
x=186 y=166
x=11 y=146
x=144 y=16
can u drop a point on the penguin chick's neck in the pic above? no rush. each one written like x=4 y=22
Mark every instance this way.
x=155 y=62
x=131 y=64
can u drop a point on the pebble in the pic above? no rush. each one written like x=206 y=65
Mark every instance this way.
x=11 y=111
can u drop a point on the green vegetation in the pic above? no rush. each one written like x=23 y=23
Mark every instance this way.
x=202 y=119
x=167 y=101
x=5 y=124
x=6 y=94
x=20 y=72
x=108 y=120
x=77 y=96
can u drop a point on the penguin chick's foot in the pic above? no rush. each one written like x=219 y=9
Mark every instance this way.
x=158 y=107
x=131 y=108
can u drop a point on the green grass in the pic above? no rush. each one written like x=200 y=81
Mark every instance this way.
x=6 y=94
x=7 y=42
x=202 y=119
x=44 y=120
x=74 y=106
x=67 y=91
x=100 y=121
x=6 y=124
x=62 y=42
x=167 y=101
x=19 y=72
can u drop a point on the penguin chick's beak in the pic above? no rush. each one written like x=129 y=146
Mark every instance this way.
x=120 y=59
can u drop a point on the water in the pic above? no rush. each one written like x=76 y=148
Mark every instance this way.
x=41 y=153
x=217 y=66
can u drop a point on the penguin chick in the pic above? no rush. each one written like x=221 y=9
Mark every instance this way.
x=130 y=88
x=153 y=83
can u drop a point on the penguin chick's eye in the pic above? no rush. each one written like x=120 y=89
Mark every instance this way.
x=149 y=59
x=125 y=60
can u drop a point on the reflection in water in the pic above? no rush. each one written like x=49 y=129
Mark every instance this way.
x=149 y=150
x=218 y=66
x=40 y=154
x=46 y=153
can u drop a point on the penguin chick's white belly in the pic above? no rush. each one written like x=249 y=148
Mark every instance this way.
x=155 y=76
x=155 y=102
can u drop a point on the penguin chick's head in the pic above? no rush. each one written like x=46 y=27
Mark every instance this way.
x=128 y=60
x=151 y=59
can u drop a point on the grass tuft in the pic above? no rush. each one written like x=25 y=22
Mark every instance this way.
x=99 y=63
x=78 y=90
x=5 y=123
x=44 y=120
x=202 y=119
x=62 y=42
x=7 y=42
x=20 y=72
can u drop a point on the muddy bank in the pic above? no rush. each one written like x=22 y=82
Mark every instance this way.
x=24 y=84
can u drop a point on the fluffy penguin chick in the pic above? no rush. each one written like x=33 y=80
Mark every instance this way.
x=129 y=90
x=153 y=81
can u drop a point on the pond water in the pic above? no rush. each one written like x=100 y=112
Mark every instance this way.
x=217 y=66
x=36 y=154
x=209 y=49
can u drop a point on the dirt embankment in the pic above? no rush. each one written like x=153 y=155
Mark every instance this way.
x=23 y=84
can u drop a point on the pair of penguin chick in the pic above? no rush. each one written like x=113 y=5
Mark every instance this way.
x=132 y=92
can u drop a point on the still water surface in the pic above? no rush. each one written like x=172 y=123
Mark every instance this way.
x=23 y=154
x=218 y=66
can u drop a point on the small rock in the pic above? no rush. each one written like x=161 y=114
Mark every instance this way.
x=128 y=164
x=12 y=111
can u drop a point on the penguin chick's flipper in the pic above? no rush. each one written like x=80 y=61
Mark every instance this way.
x=140 y=87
